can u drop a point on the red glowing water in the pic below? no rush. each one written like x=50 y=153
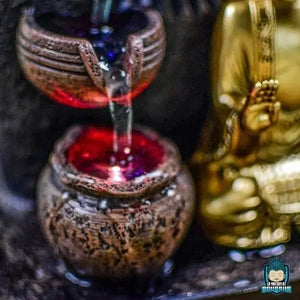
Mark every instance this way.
x=92 y=154
x=89 y=98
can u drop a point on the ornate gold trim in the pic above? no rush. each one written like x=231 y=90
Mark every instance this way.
x=263 y=17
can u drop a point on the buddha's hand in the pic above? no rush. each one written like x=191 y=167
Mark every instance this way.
x=261 y=108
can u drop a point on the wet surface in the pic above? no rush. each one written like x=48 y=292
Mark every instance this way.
x=28 y=269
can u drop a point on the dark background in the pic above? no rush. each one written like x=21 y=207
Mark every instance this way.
x=176 y=104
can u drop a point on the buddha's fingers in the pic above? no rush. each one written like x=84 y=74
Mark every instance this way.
x=276 y=111
x=255 y=96
x=264 y=92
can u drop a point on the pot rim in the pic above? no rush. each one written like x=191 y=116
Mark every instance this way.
x=154 y=24
x=137 y=187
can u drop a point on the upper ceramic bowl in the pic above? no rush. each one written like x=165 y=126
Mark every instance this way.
x=67 y=69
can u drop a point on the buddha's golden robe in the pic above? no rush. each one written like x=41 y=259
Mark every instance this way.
x=251 y=189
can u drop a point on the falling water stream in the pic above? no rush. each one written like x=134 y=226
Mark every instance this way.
x=117 y=81
x=118 y=89
x=118 y=85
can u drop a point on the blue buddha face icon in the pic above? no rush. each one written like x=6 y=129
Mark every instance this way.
x=276 y=271
x=276 y=275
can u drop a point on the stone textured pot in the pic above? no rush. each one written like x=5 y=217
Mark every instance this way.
x=115 y=231
x=66 y=67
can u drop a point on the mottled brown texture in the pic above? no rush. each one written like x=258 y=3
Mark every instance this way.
x=115 y=231
x=28 y=270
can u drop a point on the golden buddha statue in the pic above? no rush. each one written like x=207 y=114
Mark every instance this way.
x=249 y=159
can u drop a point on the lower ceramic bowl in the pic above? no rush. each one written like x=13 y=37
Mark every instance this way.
x=115 y=230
